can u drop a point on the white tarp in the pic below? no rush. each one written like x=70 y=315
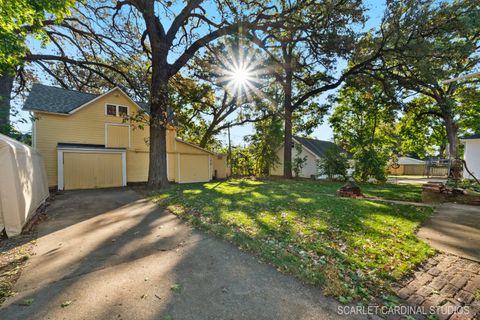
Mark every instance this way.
x=23 y=184
x=408 y=161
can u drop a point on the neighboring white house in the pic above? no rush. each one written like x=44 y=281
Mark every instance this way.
x=312 y=149
x=472 y=155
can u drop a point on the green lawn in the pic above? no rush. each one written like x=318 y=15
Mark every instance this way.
x=405 y=192
x=353 y=248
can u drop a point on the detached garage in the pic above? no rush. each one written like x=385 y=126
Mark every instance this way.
x=88 y=141
x=90 y=166
x=194 y=168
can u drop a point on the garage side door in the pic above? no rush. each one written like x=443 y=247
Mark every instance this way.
x=194 y=168
x=92 y=170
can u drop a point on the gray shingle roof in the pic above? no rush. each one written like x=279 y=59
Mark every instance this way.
x=53 y=99
x=319 y=147
x=58 y=100
x=473 y=136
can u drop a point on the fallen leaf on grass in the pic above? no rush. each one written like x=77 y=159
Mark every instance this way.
x=175 y=287
x=27 y=302
x=66 y=303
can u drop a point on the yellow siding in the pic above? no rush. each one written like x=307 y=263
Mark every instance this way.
x=92 y=170
x=220 y=165
x=118 y=136
x=90 y=125
x=137 y=166
x=194 y=168
x=186 y=148
x=172 y=166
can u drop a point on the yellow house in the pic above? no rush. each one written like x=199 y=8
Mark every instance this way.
x=87 y=143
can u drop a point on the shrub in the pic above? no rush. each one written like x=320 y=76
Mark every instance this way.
x=334 y=164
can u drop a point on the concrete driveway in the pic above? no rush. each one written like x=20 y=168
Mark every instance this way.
x=454 y=228
x=114 y=255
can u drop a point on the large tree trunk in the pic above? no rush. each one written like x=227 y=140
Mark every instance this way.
x=452 y=132
x=6 y=85
x=288 y=142
x=452 y=137
x=157 y=171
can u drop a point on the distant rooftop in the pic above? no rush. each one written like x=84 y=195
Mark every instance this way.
x=473 y=136
x=319 y=147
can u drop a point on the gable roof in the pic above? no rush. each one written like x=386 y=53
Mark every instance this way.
x=318 y=147
x=473 y=136
x=51 y=99
x=56 y=100
x=195 y=146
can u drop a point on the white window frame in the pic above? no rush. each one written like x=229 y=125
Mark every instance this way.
x=117 y=113
x=60 y=162
x=120 y=125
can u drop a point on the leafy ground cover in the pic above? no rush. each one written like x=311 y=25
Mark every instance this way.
x=14 y=253
x=352 y=248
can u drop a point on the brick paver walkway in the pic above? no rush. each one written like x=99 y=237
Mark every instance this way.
x=445 y=283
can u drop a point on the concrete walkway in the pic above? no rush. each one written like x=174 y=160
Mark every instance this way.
x=109 y=254
x=454 y=228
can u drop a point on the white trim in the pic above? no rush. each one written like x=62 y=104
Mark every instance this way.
x=168 y=178
x=117 y=111
x=103 y=95
x=195 y=146
x=60 y=174
x=41 y=111
x=88 y=103
x=60 y=162
x=34 y=132
x=210 y=164
x=469 y=139
x=92 y=150
x=124 y=169
x=178 y=167
x=120 y=125
x=93 y=100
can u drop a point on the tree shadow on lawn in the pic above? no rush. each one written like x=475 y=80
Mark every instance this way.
x=215 y=279
x=294 y=229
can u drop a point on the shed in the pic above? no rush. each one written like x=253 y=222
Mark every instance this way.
x=23 y=184
x=408 y=166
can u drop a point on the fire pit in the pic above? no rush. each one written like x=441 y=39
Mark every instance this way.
x=350 y=190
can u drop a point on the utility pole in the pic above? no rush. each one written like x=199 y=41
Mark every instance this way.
x=229 y=150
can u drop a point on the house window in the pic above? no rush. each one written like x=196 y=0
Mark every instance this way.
x=111 y=110
x=122 y=111
x=115 y=110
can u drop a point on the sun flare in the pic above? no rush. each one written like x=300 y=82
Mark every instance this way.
x=240 y=78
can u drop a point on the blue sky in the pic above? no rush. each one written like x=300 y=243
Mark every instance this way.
x=323 y=132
